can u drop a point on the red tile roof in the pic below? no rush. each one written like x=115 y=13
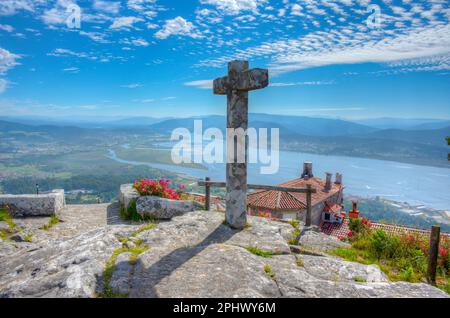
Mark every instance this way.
x=278 y=200
x=332 y=207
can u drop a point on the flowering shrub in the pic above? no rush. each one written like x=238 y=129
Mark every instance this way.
x=265 y=214
x=401 y=257
x=159 y=188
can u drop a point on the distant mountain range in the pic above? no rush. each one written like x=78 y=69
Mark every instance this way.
x=303 y=134
x=405 y=123
x=291 y=124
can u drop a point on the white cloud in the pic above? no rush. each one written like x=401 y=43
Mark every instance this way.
x=106 y=6
x=139 y=5
x=144 y=101
x=65 y=52
x=280 y=84
x=131 y=86
x=11 y=7
x=72 y=70
x=202 y=84
x=125 y=22
x=233 y=7
x=178 y=26
x=140 y=42
x=6 y=27
x=352 y=49
x=345 y=45
x=135 y=42
x=8 y=60
x=95 y=36
x=58 y=14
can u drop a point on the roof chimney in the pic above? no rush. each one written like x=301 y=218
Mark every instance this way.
x=338 y=178
x=307 y=170
x=328 y=181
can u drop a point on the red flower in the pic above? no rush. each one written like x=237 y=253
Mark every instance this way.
x=350 y=234
x=443 y=252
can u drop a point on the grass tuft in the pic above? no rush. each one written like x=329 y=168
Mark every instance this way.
x=294 y=223
x=28 y=237
x=53 y=221
x=143 y=228
x=293 y=240
x=6 y=217
x=359 y=279
x=108 y=272
x=268 y=271
x=259 y=252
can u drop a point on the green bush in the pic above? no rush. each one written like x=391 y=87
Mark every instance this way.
x=401 y=257
x=384 y=245
x=356 y=226
x=407 y=274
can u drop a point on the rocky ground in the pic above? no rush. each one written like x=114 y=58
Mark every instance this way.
x=92 y=253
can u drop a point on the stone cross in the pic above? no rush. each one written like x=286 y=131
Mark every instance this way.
x=236 y=85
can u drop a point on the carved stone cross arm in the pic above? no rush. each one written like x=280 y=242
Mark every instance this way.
x=247 y=80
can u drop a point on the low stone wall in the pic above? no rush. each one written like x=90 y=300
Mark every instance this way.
x=44 y=204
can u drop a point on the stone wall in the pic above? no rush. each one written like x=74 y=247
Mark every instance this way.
x=44 y=204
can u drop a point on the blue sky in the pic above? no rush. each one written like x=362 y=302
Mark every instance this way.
x=334 y=58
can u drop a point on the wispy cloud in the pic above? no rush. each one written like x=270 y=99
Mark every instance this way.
x=72 y=70
x=280 y=84
x=144 y=101
x=6 y=27
x=132 y=86
x=202 y=84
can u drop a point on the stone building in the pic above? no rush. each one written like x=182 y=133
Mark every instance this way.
x=290 y=205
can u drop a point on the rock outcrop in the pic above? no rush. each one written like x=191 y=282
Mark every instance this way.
x=164 y=209
x=193 y=255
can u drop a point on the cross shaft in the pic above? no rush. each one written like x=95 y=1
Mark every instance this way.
x=236 y=85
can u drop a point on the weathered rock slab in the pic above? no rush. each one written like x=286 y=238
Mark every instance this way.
x=332 y=269
x=319 y=242
x=193 y=255
x=71 y=268
x=164 y=209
